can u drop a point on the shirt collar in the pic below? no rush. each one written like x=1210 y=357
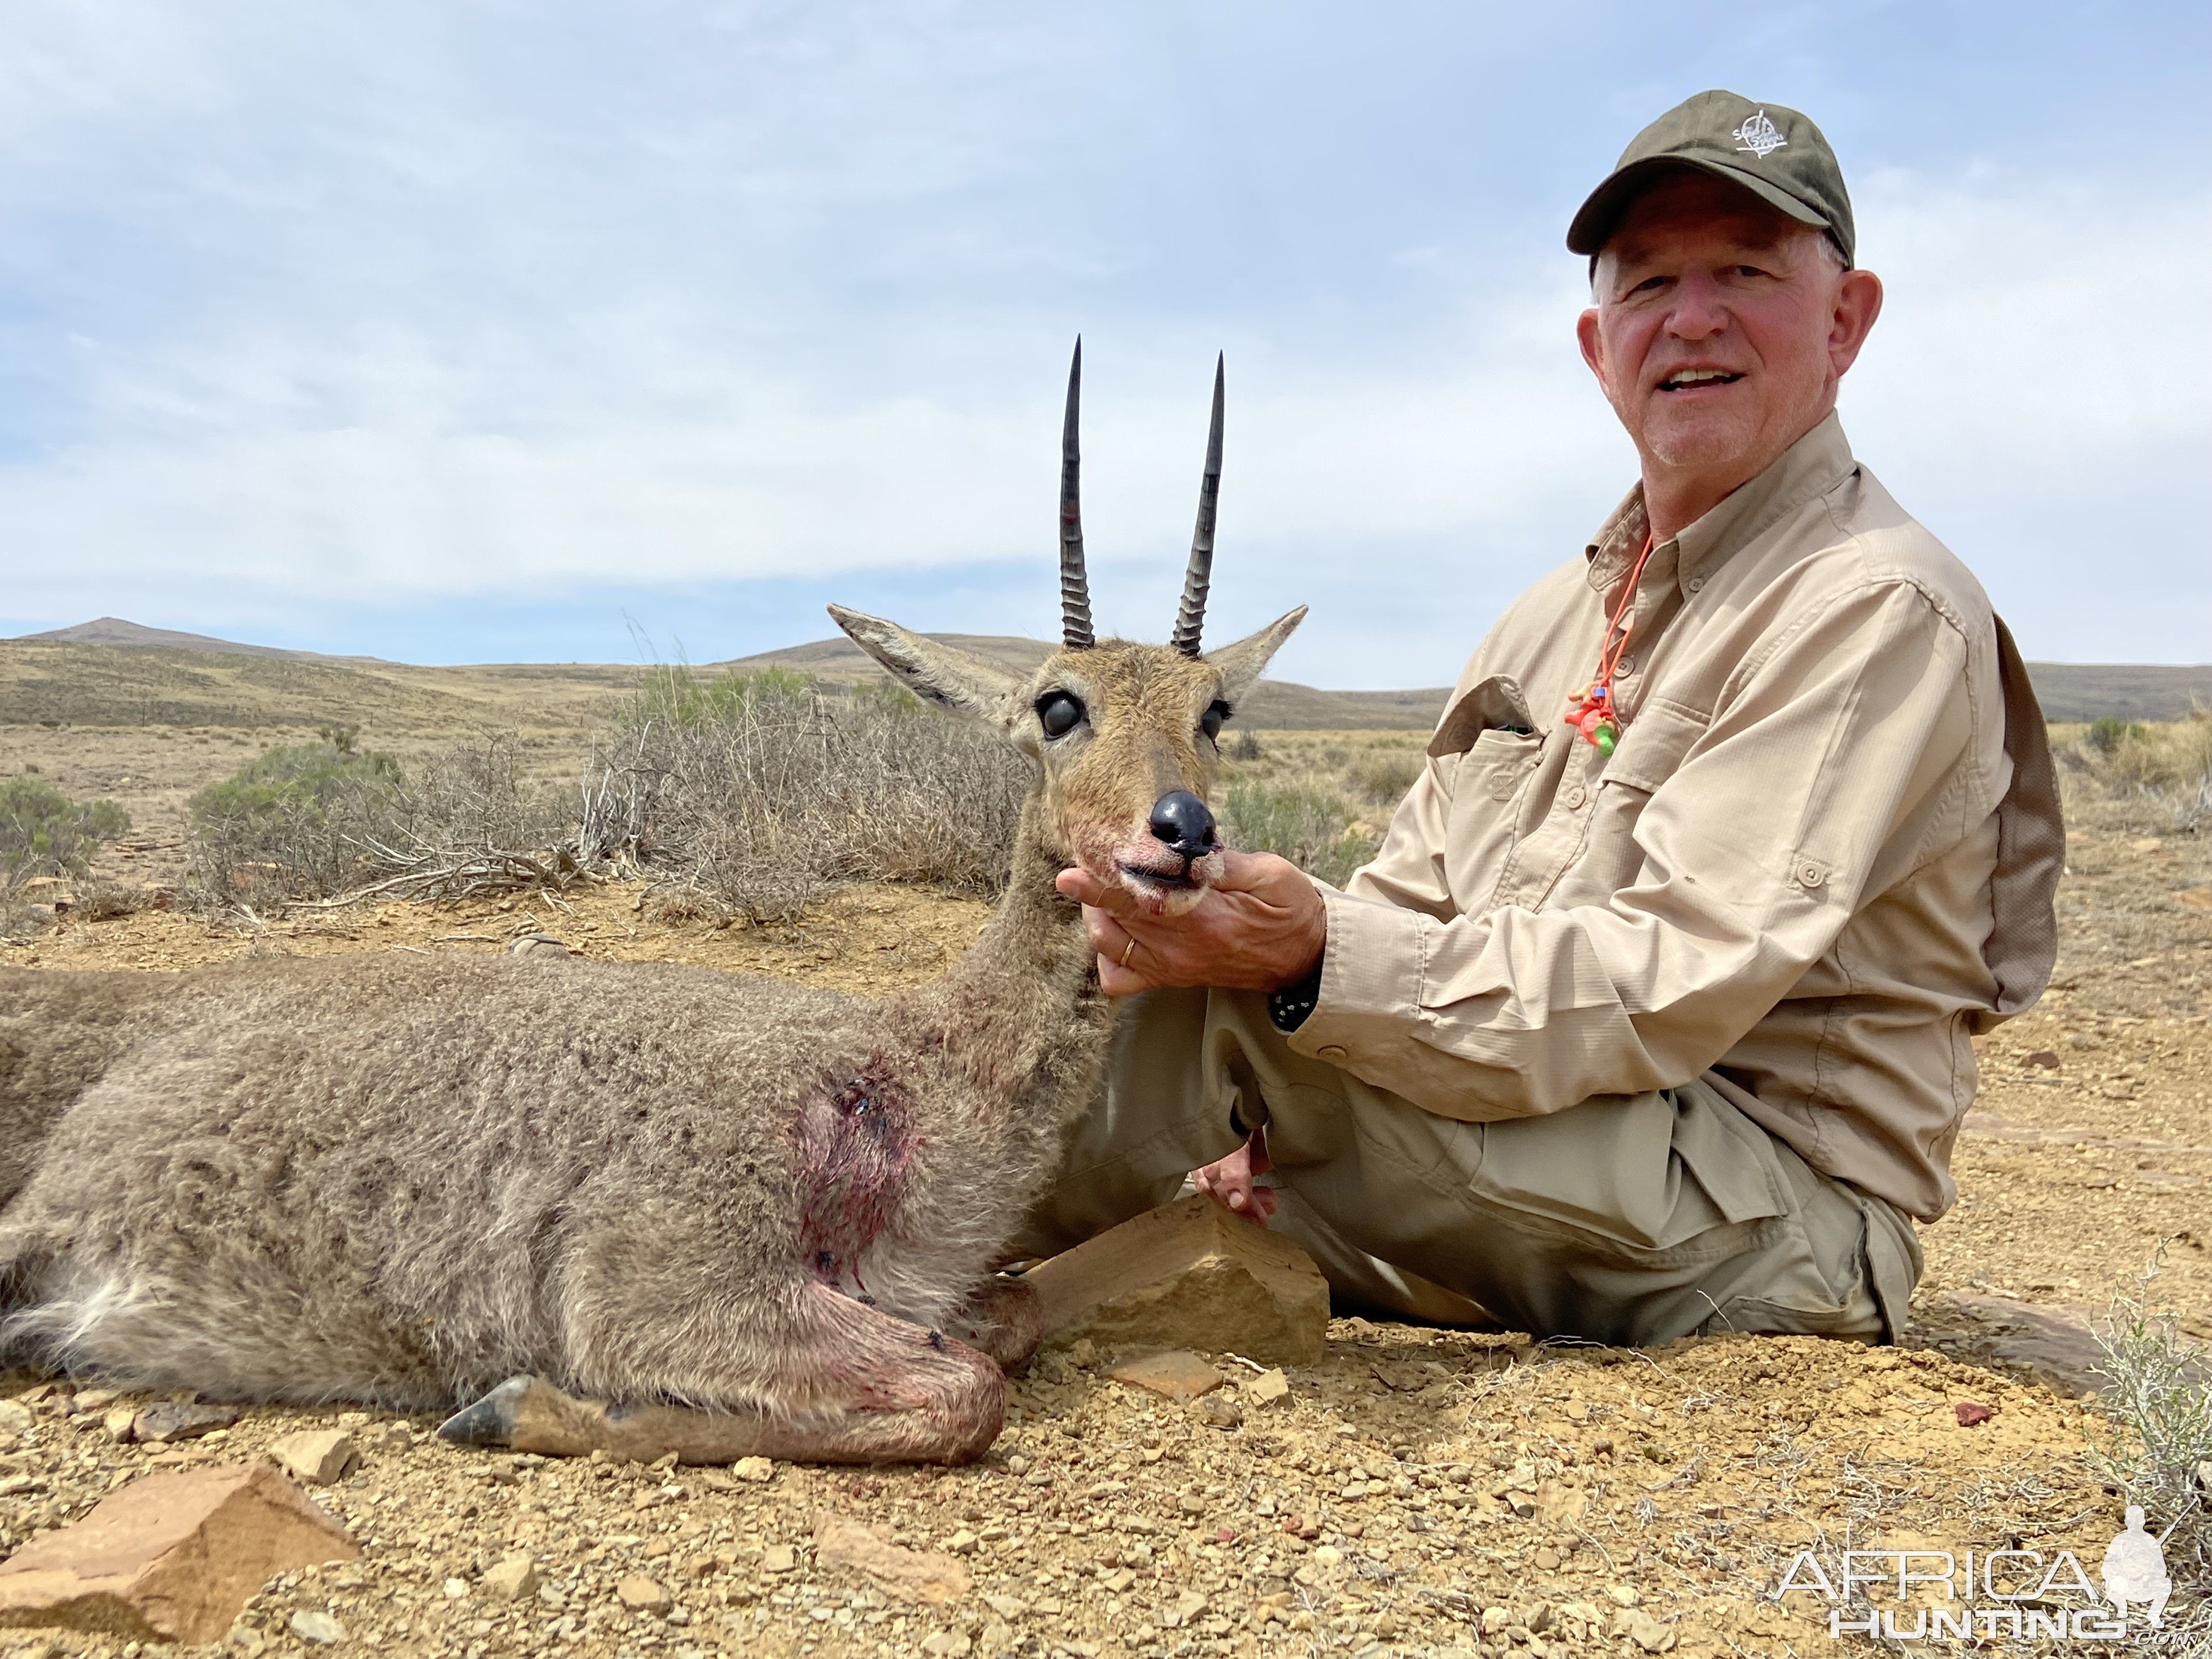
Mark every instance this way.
x=1810 y=467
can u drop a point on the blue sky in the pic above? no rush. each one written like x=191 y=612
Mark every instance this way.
x=465 y=331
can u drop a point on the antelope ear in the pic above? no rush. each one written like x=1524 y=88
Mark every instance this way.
x=942 y=674
x=1242 y=662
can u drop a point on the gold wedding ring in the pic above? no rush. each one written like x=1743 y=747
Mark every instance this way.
x=1126 y=949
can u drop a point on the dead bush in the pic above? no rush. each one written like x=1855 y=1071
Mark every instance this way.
x=2166 y=766
x=762 y=791
x=325 y=820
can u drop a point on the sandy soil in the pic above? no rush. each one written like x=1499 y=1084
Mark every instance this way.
x=1419 y=1492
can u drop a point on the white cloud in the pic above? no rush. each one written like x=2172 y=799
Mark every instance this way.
x=324 y=313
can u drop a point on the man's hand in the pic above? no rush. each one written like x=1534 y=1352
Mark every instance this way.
x=1229 y=1183
x=1261 y=926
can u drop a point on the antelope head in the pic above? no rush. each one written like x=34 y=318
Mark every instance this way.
x=1125 y=736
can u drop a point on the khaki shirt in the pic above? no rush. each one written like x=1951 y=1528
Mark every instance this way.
x=1821 y=858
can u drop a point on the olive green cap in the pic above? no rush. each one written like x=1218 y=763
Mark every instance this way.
x=1775 y=154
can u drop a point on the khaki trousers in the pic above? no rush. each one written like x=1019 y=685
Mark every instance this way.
x=1627 y=1219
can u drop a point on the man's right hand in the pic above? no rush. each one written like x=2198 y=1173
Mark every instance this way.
x=1229 y=1181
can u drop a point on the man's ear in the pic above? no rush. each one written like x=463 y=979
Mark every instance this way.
x=942 y=674
x=1242 y=663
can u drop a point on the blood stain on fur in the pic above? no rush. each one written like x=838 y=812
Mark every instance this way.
x=856 y=1136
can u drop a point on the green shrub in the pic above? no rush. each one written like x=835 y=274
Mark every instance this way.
x=44 y=833
x=1309 y=825
x=2106 y=734
x=294 y=822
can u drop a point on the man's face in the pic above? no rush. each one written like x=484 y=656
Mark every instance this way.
x=1721 y=327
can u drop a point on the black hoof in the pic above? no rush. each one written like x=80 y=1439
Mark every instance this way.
x=490 y=1420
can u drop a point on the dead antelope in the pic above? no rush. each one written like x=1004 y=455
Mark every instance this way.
x=648 y=1208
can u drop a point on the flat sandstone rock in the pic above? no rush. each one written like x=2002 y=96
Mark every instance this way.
x=1179 y=1374
x=1188 y=1275
x=170 y=1556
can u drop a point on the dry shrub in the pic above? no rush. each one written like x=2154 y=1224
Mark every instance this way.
x=45 y=835
x=2167 y=766
x=2157 y=1396
x=1384 y=778
x=316 y=821
x=762 y=791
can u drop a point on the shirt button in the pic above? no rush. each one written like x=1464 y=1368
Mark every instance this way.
x=1694 y=583
x=1810 y=875
x=1330 y=1051
x=1573 y=798
x=1626 y=665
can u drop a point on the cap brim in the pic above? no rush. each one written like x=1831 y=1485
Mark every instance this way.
x=1598 y=217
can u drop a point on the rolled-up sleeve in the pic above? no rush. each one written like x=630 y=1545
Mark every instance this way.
x=1750 y=856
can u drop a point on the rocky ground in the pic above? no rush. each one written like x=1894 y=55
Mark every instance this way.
x=1420 y=1492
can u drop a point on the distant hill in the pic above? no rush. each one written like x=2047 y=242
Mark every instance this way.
x=2127 y=691
x=113 y=672
x=1274 y=705
x=136 y=637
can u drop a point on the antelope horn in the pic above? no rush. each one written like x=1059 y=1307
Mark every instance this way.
x=1190 y=615
x=1075 y=585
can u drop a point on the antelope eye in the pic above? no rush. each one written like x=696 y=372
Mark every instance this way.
x=1059 y=713
x=1210 y=721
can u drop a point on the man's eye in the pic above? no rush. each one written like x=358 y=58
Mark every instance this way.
x=1059 y=713
x=1210 y=721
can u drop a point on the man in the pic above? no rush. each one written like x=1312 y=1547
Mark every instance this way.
x=1653 y=1013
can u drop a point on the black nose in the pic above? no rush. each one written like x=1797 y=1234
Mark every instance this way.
x=1184 y=823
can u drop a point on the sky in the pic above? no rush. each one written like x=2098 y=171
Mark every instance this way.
x=463 y=331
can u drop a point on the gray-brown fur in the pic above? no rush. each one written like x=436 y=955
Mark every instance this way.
x=393 y=1180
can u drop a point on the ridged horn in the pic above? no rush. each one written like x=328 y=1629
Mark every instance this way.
x=1190 y=615
x=1074 y=583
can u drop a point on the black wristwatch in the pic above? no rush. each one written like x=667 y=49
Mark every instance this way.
x=1287 y=1008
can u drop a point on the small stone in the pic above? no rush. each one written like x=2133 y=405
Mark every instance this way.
x=642 y=1594
x=92 y=1402
x=318 y=1457
x=962 y=1542
x=538 y=945
x=1267 y=1388
x=756 y=1469
x=317 y=1629
x=16 y=1418
x=945 y=1644
x=173 y=1556
x=1624 y=1594
x=1547 y=1558
x=1327 y=1555
x=118 y=1423
x=1179 y=1374
x=1082 y=1352
x=1216 y=1410
x=172 y=1420
x=456 y=1588
x=910 y=1575
x=1006 y=1606
x=1972 y=1413
x=514 y=1576
x=1641 y=1628
x=779 y=1558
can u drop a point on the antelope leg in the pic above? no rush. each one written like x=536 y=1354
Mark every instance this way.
x=1003 y=1318
x=901 y=1396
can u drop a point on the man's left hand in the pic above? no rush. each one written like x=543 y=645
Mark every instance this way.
x=1259 y=927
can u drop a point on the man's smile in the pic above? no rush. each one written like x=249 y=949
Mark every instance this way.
x=1682 y=380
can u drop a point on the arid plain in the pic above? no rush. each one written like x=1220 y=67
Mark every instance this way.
x=1420 y=1492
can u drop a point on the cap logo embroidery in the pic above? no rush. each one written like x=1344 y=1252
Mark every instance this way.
x=1759 y=135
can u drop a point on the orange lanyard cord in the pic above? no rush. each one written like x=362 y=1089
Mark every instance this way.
x=1594 y=713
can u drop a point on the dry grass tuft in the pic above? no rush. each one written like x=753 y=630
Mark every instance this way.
x=761 y=791
x=2165 y=766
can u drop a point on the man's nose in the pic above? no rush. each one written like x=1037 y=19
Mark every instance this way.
x=1185 y=823
x=1698 y=311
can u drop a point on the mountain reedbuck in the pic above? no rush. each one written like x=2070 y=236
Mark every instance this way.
x=675 y=1210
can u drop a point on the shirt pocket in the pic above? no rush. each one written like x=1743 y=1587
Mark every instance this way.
x=1485 y=811
x=1651 y=751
